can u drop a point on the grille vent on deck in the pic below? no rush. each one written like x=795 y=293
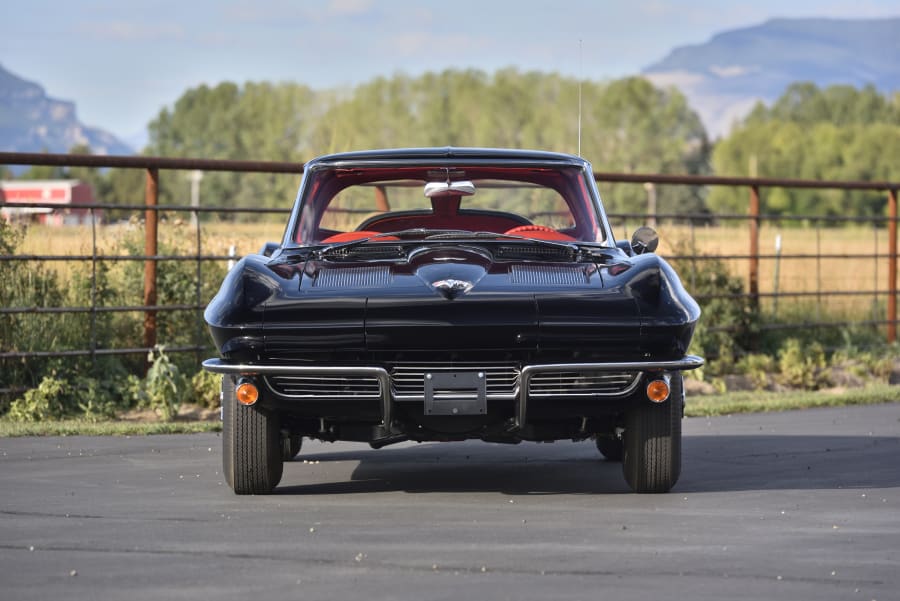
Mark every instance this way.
x=354 y=277
x=548 y=275
x=371 y=251
x=549 y=253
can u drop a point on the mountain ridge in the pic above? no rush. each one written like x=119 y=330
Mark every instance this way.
x=32 y=121
x=725 y=76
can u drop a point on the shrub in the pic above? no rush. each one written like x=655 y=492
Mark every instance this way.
x=205 y=389
x=47 y=401
x=164 y=388
x=868 y=365
x=61 y=396
x=760 y=368
x=802 y=365
x=100 y=390
x=726 y=329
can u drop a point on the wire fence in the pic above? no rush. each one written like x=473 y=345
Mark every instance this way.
x=820 y=264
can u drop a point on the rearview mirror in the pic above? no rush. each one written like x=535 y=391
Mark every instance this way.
x=644 y=240
x=448 y=188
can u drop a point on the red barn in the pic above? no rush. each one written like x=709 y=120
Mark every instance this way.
x=68 y=194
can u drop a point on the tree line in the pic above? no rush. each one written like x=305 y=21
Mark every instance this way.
x=837 y=133
x=627 y=125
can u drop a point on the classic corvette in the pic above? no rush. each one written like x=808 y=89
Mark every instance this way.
x=448 y=294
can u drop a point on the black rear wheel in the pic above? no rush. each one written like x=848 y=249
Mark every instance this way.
x=251 y=445
x=652 y=442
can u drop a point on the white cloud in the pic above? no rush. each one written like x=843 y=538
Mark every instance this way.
x=731 y=70
x=683 y=80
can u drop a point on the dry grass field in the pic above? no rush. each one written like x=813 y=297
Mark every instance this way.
x=795 y=274
x=866 y=273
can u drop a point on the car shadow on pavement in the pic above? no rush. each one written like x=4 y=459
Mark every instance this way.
x=788 y=462
x=710 y=463
x=471 y=466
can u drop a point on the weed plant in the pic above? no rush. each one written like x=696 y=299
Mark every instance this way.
x=96 y=387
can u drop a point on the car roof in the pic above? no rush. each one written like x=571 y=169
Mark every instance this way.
x=449 y=155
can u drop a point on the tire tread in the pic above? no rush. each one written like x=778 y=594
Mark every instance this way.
x=652 y=458
x=251 y=449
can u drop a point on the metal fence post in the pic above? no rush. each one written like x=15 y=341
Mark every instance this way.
x=151 y=197
x=892 y=267
x=199 y=287
x=93 y=289
x=753 y=283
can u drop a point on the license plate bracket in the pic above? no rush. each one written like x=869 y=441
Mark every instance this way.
x=455 y=393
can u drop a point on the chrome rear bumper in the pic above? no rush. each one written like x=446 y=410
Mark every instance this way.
x=386 y=395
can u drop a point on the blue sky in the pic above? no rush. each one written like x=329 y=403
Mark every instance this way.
x=122 y=61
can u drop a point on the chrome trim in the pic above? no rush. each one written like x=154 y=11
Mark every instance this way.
x=569 y=391
x=521 y=410
x=306 y=386
x=217 y=366
x=450 y=285
x=408 y=379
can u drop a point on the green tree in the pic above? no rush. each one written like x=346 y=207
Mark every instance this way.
x=839 y=132
x=633 y=127
x=89 y=175
x=258 y=121
x=628 y=124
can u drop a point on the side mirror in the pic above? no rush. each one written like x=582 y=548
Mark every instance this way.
x=644 y=240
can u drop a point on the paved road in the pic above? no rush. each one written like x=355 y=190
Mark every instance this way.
x=777 y=506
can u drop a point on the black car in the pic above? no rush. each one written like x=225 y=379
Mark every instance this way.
x=448 y=294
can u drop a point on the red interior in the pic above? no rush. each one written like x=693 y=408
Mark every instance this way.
x=539 y=232
x=474 y=223
x=351 y=236
x=446 y=215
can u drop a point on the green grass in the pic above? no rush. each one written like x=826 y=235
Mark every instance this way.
x=756 y=402
x=75 y=427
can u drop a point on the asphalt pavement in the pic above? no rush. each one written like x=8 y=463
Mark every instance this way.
x=797 y=505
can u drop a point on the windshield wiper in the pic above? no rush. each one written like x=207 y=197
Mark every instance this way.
x=351 y=243
x=573 y=246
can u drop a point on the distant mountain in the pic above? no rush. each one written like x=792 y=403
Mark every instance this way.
x=30 y=121
x=724 y=77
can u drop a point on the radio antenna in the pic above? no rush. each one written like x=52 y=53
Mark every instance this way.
x=580 y=77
